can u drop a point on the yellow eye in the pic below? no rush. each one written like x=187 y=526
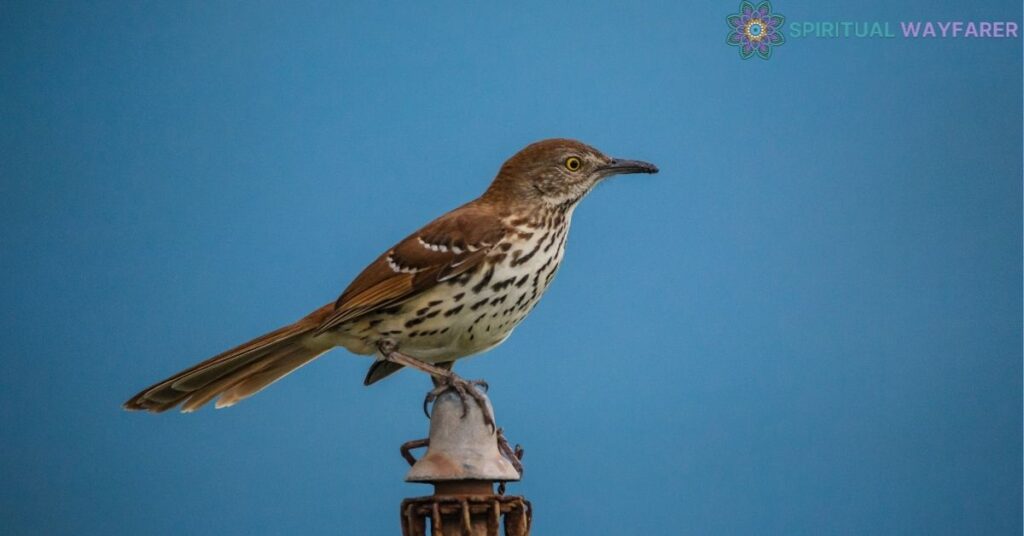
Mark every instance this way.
x=573 y=164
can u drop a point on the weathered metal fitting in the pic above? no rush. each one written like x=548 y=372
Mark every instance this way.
x=461 y=446
x=468 y=515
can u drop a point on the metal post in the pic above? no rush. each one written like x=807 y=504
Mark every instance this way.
x=465 y=458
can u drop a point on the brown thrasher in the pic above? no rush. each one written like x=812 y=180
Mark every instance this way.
x=454 y=288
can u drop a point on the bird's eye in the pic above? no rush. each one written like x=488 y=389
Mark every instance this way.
x=573 y=164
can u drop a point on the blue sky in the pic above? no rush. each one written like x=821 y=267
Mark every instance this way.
x=809 y=322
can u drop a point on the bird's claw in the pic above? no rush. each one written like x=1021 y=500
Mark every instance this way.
x=465 y=389
x=513 y=455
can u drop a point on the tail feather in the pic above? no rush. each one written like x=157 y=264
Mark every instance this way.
x=233 y=375
x=379 y=370
x=210 y=391
x=252 y=384
x=199 y=378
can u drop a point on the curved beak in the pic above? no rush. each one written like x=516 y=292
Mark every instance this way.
x=618 y=166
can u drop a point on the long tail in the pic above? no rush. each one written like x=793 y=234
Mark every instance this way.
x=235 y=374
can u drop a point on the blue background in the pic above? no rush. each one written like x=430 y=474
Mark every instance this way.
x=808 y=323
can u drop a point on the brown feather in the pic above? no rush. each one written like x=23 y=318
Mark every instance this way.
x=223 y=371
x=461 y=239
x=210 y=391
x=379 y=370
x=280 y=367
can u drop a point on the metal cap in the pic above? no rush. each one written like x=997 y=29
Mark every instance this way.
x=461 y=448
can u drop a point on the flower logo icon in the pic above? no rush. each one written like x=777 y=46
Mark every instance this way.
x=755 y=30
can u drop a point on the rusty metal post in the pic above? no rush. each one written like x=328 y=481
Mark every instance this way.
x=463 y=461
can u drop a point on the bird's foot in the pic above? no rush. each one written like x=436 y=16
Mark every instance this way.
x=513 y=455
x=465 y=389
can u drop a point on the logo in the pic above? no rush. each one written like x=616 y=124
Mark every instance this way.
x=755 y=30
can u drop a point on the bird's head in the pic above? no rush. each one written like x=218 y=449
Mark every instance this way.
x=557 y=172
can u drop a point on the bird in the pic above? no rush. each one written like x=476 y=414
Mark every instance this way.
x=456 y=287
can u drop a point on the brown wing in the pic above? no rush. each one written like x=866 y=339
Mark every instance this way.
x=443 y=249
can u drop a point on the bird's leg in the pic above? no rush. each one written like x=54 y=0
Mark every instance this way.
x=444 y=379
x=447 y=365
